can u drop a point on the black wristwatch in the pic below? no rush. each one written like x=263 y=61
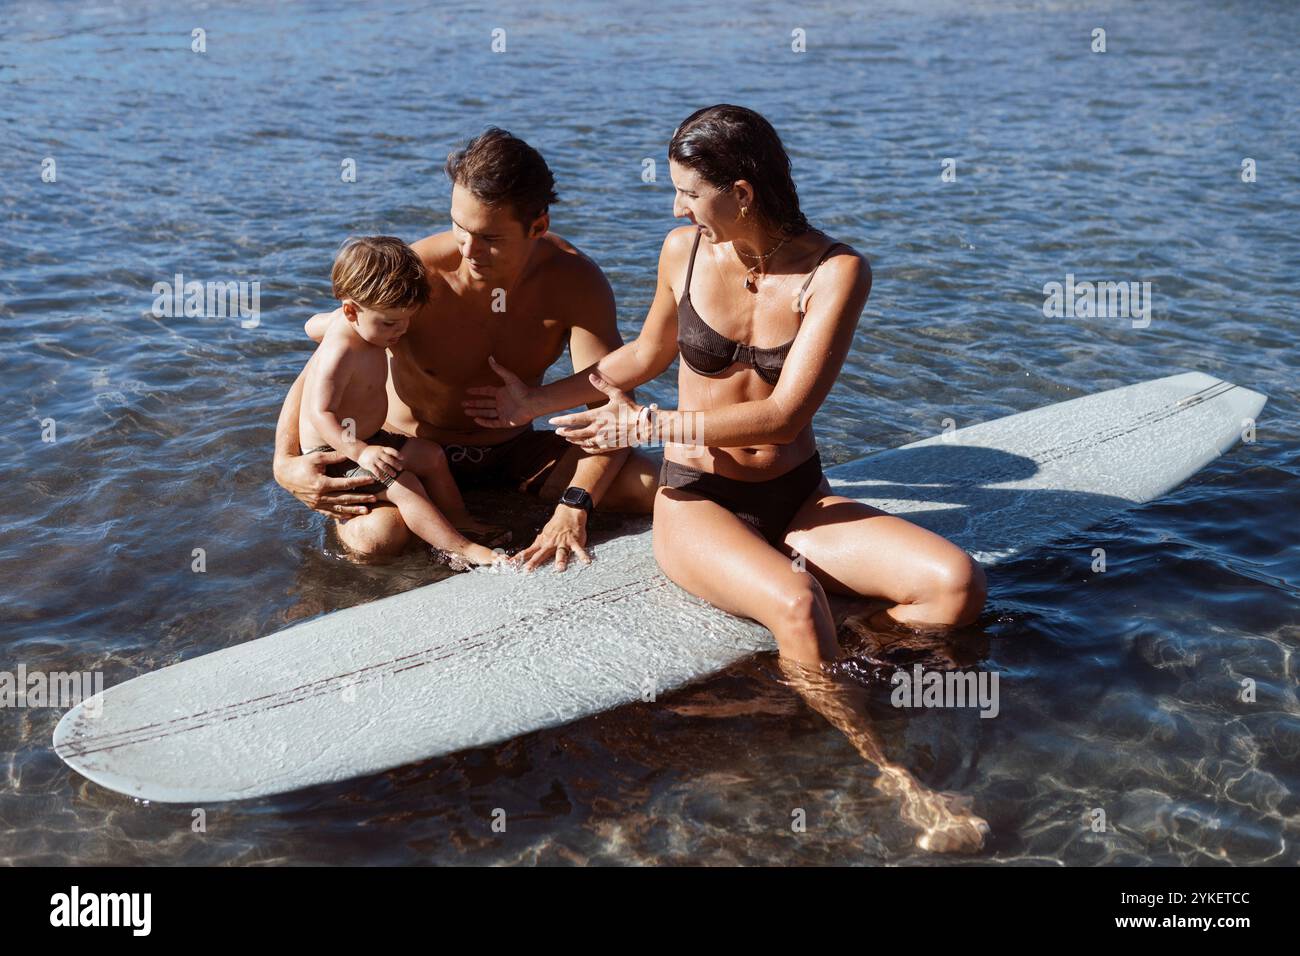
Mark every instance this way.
x=578 y=498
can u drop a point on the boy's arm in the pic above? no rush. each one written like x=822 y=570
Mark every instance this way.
x=323 y=395
x=303 y=476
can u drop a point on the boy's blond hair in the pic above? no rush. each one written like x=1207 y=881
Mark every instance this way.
x=379 y=272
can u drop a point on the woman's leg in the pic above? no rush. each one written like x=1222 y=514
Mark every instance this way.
x=856 y=550
x=713 y=554
x=710 y=552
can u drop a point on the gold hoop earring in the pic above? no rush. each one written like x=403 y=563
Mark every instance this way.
x=744 y=210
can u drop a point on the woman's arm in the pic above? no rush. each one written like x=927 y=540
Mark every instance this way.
x=811 y=368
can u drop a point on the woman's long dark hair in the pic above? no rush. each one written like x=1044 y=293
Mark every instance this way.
x=725 y=143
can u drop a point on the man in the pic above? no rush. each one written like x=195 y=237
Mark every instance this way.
x=504 y=291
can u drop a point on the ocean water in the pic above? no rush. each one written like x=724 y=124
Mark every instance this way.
x=1119 y=690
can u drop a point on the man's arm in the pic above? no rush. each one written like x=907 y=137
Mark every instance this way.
x=594 y=334
x=645 y=358
x=318 y=323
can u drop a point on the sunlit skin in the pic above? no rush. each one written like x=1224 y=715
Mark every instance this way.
x=381 y=327
x=752 y=430
x=346 y=375
x=554 y=297
x=344 y=402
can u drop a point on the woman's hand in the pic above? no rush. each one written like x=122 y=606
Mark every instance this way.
x=608 y=427
x=508 y=406
x=303 y=476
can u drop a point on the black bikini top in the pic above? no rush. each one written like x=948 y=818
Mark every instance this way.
x=708 y=352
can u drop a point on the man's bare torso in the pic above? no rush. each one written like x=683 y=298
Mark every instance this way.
x=446 y=348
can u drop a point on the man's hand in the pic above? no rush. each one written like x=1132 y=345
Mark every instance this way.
x=565 y=534
x=381 y=461
x=507 y=406
x=303 y=476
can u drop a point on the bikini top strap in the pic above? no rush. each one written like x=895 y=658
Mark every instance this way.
x=686 y=292
x=807 y=282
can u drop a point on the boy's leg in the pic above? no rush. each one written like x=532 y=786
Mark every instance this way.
x=429 y=463
x=422 y=516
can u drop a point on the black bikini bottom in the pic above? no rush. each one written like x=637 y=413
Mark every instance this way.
x=767 y=506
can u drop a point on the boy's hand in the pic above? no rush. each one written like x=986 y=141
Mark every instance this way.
x=381 y=461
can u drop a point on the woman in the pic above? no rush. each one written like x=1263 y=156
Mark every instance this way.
x=762 y=309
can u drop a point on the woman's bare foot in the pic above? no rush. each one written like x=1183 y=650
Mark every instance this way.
x=944 y=819
x=955 y=832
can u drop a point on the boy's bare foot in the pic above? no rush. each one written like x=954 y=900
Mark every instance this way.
x=476 y=555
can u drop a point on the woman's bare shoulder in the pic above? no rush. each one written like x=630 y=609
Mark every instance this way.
x=845 y=262
x=676 y=250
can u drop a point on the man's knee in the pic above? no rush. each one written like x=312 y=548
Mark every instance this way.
x=379 y=534
x=633 y=489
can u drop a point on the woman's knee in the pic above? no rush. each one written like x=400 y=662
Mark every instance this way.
x=797 y=604
x=960 y=589
x=798 y=617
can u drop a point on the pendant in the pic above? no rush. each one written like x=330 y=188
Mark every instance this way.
x=751 y=281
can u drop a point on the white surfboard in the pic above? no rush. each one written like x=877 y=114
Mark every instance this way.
x=483 y=657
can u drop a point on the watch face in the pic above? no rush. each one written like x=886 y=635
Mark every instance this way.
x=574 y=496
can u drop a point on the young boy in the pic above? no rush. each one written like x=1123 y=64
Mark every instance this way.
x=381 y=283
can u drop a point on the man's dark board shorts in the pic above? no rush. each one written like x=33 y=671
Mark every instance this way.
x=348 y=469
x=523 y=462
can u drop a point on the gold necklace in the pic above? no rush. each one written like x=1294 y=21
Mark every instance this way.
x=751 y=274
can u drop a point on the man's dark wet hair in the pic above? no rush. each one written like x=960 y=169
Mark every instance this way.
x=725 y=143
x=502 y=170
